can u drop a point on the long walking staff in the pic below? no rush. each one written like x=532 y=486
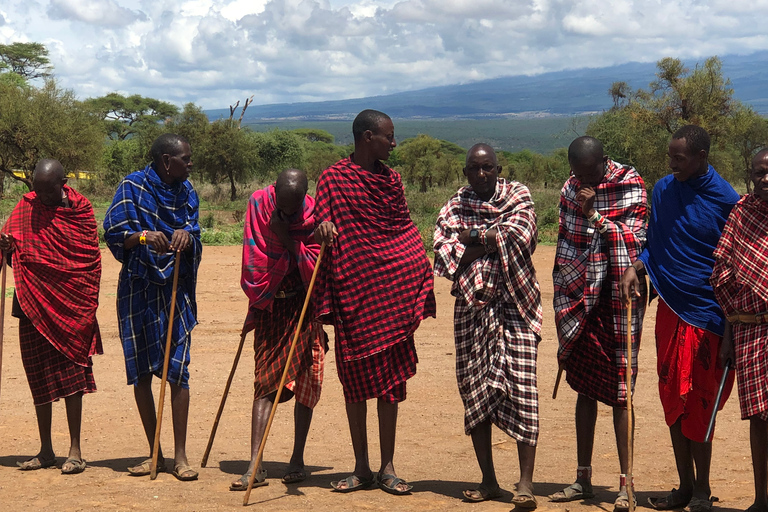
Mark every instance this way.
x=161 y=401
x=630 y=418
x=727 y=367
x=224 y=398
x=2 y=313
x=252 y=479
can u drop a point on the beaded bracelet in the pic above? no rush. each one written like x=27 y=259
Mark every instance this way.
x=143 y=237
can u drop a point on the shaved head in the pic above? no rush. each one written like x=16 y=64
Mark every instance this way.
x=759 y=156
x=480 y=147
x=585 y=150
x=290 y=188
x=48 y=180
x=49 y=168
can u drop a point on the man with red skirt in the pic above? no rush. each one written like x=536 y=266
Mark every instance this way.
x=689 y=209
x=53 y=244
x=374 y=286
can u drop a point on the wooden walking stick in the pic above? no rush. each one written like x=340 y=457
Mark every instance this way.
x=557 y=380
x=161 y=401
x=224 y=398
x=2 y=313
x=630 y=419
x=252 y=479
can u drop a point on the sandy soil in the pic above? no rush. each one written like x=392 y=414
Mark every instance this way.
x=432 y=452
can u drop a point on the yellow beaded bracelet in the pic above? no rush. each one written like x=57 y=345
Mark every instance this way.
x=143 y=237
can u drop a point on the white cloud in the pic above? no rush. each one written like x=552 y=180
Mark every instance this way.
x=106 y=13
x=213 y=52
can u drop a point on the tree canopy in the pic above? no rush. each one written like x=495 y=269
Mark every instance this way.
x=125 y=115
x=27 y=60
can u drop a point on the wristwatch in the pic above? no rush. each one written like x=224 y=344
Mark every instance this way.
x=474 y=236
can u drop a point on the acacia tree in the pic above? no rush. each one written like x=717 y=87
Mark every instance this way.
x=27 y=60
x=637 y=132
x=227 y=153
x=46 y=123
x=126 y=115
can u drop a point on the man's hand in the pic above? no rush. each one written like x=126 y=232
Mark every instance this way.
x=158 y=241
x=585 y=196
x=629 y=286
x=726 y=347
x=181 y=240
x=6 y=242
x=464 y=237
x=325 y=232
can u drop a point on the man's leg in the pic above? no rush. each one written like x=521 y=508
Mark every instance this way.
x=387 y=431
x=357 y=418
x=683 y=459
x=145 y=403
x=758 y=440
x=74 y=405
x=180 y=413
x=44 y=415
x=302 y=419
x=702 y=457
x=526 y=455
x=481 y=442
x=261 y=409
x=586 y=417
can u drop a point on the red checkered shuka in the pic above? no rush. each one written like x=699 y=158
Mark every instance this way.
x=589 y=265
x=375 y=283
x=510 y=270
x=57 y=269
x=740 y=284
x=266 y=261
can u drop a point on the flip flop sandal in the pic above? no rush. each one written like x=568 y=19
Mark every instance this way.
x=76 y=466
x=145 y=467
x=525 y=501
x=573 y=492
x=241 y=484
x=391 y=487
x=184 y=472
x=621 y=504
x=351 y=485
x=294 y=477
x=482 y=494
x=699 y=505
x=669 y=502
x=35 y=463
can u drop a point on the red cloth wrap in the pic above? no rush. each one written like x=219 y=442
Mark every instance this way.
x=375 y=283
x=57 y=270
x=266 y=261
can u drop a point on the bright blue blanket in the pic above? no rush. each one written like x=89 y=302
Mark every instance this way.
x=686 y=221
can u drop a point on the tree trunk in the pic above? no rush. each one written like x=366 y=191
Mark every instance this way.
x=233 y=188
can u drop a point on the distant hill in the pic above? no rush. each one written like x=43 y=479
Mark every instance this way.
x=563 y=93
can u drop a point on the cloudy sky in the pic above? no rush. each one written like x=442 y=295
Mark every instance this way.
x=214 y=52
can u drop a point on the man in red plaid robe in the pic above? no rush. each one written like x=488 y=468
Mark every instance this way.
x=374 y=286
x=741 y=288
x=279 y=255
x=54 y=247
x=603 y=222
x=484 y=241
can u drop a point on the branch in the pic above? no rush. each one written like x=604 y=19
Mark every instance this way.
x=248 y=101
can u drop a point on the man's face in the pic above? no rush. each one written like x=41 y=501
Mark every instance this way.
x=382 y=140
x=482 y=171
x=590 y=172
x=685 y=163
x=49 y=189
x=759 y=176
x=288 y=203
x=179 y=165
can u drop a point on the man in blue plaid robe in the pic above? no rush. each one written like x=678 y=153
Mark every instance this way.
x=155 y=214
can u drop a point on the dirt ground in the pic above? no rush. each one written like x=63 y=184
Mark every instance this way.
x=432 y=451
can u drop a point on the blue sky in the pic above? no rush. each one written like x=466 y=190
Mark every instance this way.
x=214 y=52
